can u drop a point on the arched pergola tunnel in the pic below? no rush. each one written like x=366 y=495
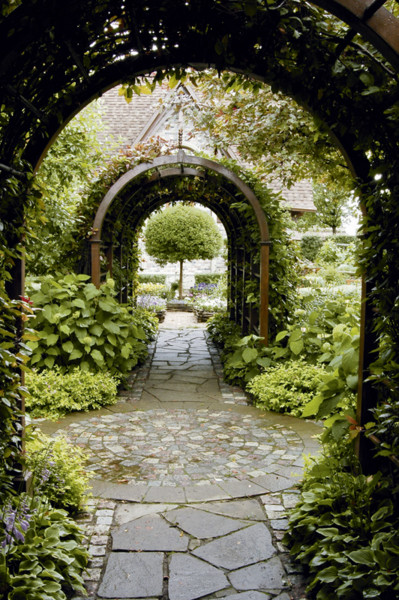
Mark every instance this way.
x=132 y=198
x=338 y=58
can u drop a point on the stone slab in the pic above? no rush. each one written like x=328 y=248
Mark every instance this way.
x=148 y=533
x=191 y=578
x=204 y=493
x=128 y=512
x=239 y=549
x=275 y=483
x=252 y=595
x=132 y=575
x=118 y=491
x=239 y=509
x=201 y=524
x=237 y=489
x=165 y=494
x=262 y=576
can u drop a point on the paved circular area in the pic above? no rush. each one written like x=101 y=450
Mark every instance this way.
x=172 y=447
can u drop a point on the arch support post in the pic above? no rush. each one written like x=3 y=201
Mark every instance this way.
x=264 y=292
x=95 y=246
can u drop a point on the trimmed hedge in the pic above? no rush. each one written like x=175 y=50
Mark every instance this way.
x=152 y=278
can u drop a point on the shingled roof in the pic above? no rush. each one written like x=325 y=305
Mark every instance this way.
x=153 y=115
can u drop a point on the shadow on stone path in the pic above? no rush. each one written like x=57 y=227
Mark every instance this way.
x=190 y=483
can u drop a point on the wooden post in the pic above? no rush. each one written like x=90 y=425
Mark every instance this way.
x=264 y=292
x=95 y=246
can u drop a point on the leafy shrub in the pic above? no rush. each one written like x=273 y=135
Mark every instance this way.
x=12 y=357
x=310 y=245
x=244 y=358
x=54 y=394
x=41 y=551
x=79 y=324
x=58 y=471
x=336 y=399
x=207 y=278
x=152 y=279
x=221 y=328
x=147 y=321
x=345 y=530
x=286 y=387
x=330 y=253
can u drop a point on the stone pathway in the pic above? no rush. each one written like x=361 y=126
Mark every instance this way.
x=190 y=483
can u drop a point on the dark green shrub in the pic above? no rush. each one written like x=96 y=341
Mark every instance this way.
x=152 y=278
x=220 y=328
x=310 y=245
x=53 y=394
x=58 y=471
x=207 y=278
x=81 y=325
x=346 y=239
x=41 y=551
x=287 y=387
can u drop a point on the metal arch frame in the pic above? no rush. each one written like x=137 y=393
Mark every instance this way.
x=183 y=159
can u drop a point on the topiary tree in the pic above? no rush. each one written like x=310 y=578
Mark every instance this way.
x=180 y=233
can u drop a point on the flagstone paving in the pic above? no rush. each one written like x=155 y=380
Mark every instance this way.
x=191 y=484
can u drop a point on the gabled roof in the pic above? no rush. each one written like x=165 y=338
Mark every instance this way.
x=157 y=115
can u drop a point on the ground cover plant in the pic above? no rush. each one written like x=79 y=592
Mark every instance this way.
x=286 y=387
x=53 y=394
x=57 y=471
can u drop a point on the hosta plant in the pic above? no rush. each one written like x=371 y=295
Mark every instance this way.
x=78 y=324
x=42 y=556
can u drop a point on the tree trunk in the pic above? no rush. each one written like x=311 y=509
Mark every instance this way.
x=181 y=281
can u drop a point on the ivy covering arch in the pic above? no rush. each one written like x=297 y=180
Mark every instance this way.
x=247 y=263
x=339 y=58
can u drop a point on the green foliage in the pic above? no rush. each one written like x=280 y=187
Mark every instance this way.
x=180 y=233
x=242 y=357
x=207 y=278
x=332 y=204
x=53 y=394
x=81 y=325
x=269 y=130
x=42 y=557
x=287 y=387
x=330 y=253
x=70 y=162
x=386 y=428
x=310 y=245
x=222 y=329
x=336 y=397
x=58 y=471
x=345 y=530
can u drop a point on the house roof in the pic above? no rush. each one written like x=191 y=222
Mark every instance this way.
x=157 y=115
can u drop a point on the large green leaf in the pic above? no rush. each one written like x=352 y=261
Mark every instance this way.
x=68 y=347
x=52 y=339
x=296 y=347
x=111 y=327
x=249 y=354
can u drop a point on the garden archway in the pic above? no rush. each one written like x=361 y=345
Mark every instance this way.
x=55 y=58
x=181 y=165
